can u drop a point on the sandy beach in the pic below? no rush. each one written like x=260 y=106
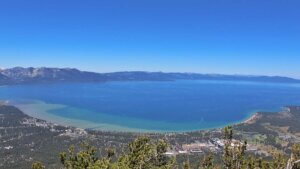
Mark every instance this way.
x=252 y=119
x=40 y=110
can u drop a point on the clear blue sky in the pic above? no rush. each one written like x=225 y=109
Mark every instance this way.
x=206 y=36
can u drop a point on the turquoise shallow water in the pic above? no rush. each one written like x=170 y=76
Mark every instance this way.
x=158 y=106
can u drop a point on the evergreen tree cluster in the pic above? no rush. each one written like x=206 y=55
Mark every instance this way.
x=144 y=153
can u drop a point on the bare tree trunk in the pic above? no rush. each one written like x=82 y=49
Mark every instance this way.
x=291 y=164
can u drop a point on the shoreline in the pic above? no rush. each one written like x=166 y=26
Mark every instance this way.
x=42 y=113
x=106 y=116
x=4 y=102
x=40 y=110
x=252 y=119
x=258 y=114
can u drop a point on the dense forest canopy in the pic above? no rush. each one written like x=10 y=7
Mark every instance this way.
x=144 y=153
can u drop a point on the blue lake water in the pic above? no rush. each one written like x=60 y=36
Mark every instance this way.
x=159 y=106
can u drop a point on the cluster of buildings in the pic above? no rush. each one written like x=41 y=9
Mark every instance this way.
x=214 y=145
x=71 y=132
x=74 y=133
x=35 y=122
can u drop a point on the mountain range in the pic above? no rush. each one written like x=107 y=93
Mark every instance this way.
x=20 y=75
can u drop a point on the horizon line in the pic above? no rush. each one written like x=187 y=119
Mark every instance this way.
x=159 y=71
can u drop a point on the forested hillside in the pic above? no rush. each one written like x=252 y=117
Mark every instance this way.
x=270 y=140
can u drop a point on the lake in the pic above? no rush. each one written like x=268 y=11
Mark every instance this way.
x=150 y=106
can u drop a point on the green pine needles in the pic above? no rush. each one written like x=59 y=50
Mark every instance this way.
x=144 y=153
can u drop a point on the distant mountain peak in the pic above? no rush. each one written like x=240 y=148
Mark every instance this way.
x=21 y=75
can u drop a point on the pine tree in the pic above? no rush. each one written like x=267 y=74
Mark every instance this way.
x=186 y=165
x=296 y=156
x=234 y=152
x=207 y=162
x=143 y=153
x=38 y=165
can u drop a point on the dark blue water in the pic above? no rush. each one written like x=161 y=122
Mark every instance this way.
x=175 y=106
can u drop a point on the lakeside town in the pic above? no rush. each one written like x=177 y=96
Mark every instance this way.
x=24 y=138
